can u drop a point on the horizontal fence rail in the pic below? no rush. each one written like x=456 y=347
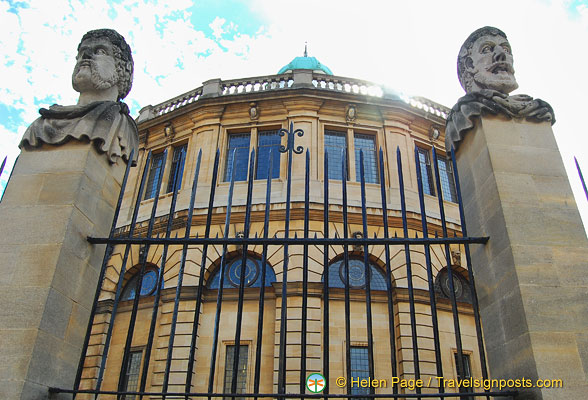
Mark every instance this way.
x=290 y=341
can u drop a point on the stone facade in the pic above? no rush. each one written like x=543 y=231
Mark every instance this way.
x=205 y=125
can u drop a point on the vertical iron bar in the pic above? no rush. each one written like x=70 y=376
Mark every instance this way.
x=102 y=271
x=122 y=274
x=191 y=357
x=172 y=332
x=449 y=270
x=346 y=266
x=242 y=276
x=388 y=273
x=268 y=195
x=4 y=163
x=143 y=262
x=415 y=348
x=432 y=300
x=284 y=300
x=471 y=280
x=170 y=218
x=575 y=160
x=368 y=291
x=305 y=276
x=326 y=274
x=219 y=297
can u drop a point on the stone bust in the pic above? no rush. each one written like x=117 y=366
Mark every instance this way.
x=486 y=73
x=103 y=75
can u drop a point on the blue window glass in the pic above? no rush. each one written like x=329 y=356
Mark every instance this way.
x=359 y=368
x=447 y=180
x=177 y=165
x=153 y=181
x=336 y=148
x=367 y=144
x=238 y=148
x=253 y=274
x=266 y=141
x=426 y=175
x=147 y=286
x=337 y=274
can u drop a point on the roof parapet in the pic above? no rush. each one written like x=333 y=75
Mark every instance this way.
x=291 y=80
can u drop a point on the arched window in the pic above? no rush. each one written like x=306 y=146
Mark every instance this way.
x=356 y=275
x=253 y=274
x=147 y=286
x=461 y=286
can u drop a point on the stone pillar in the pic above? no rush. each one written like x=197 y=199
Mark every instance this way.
x=532 y=275
x=57 y=196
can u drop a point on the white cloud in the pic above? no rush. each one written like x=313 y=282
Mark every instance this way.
x=217 y=27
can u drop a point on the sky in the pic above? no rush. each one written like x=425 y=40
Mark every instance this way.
x=410 y=46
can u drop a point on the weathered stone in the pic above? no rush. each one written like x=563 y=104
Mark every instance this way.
x=102 y=78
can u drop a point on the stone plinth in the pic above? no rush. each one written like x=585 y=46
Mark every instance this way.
x=57 y=196
x=532 y=276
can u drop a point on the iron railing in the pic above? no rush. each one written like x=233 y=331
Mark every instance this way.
x=265 y=241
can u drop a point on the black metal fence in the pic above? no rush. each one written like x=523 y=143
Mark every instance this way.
x=247 y=239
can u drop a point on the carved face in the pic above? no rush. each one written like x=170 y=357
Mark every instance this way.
x=96 y=66
x=492 y=64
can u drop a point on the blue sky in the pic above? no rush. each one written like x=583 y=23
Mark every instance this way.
x=409 y=46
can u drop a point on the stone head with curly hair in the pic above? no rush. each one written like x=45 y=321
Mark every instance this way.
x=104 y=67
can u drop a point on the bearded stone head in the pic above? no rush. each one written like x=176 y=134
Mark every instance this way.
x=104 y=66
x=485 y=62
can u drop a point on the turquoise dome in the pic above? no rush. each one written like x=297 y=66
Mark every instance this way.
x=305 y=63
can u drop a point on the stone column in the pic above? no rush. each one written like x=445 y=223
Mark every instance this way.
x=532 y=275
x=57 y=196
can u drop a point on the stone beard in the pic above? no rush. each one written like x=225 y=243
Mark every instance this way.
x=102 y=75
x=485 y=71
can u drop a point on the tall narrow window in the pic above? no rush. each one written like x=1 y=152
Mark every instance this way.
x=131 y=378
x=266 y=141
x=359 y=368
x=367 y=143
x=238 y=148
x=426 y=175
x=447 y=180
x=176 y=160
x=241 y=370
x=335 y=147
x=153 y=181
x=467 y=370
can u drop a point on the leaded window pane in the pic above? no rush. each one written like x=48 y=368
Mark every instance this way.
x=356 y=267
x=426 y=175
x=131 y=378
x=367 y=144
x=447 y=180
x=360 y=368
x=336 y=148
x=153 y=181
x=177 y=159
x=148 y=285
x=238 y=148
x=241 y=370
x=266 y=141
x=252 y=276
